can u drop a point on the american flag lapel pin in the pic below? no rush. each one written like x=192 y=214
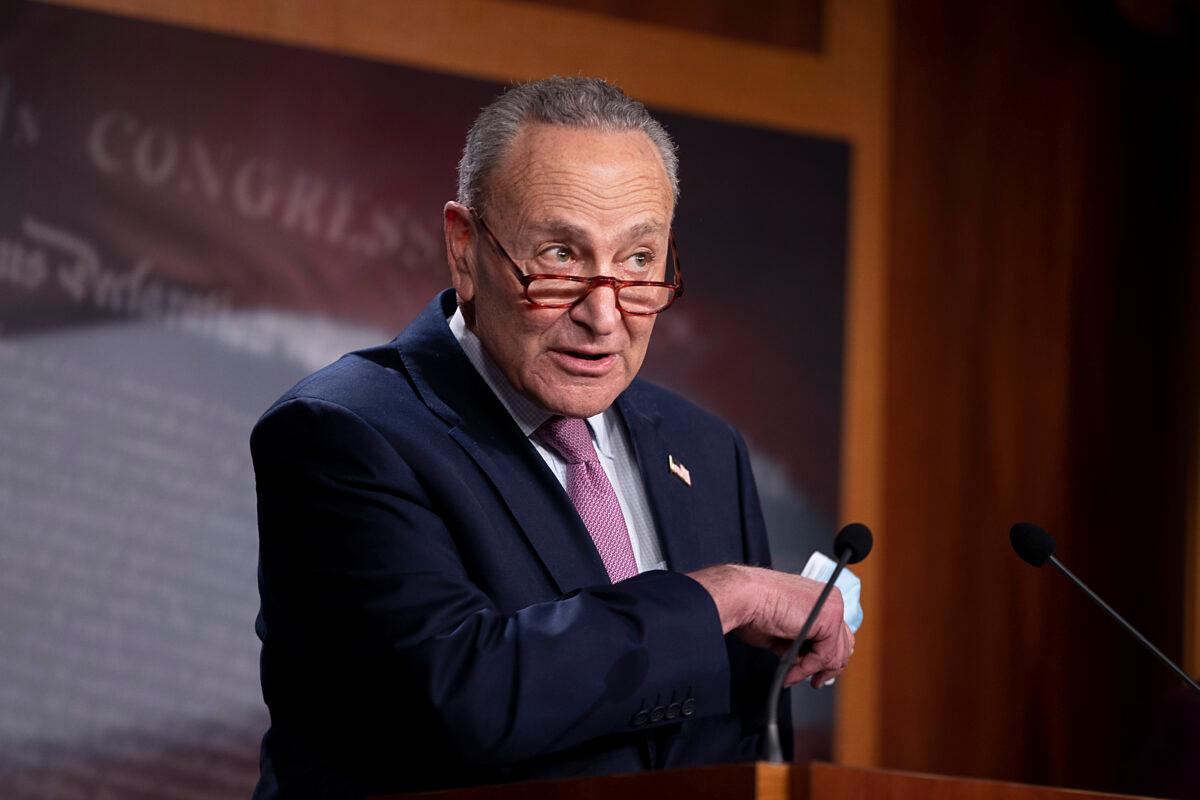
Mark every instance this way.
x=679 y=470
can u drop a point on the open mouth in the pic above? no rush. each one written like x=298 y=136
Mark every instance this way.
x=586 y=356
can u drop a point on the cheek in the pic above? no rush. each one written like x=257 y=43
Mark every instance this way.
x=506 y=312
x=639 y=329
x=547 y=326
x=531 y=332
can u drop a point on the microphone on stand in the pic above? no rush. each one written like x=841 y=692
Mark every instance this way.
x=851 y=545
x=1036 y=547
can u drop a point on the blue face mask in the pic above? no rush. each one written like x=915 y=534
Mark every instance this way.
x=819 y=568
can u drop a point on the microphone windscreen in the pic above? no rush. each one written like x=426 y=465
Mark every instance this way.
x=856 y=538
x=1032 y=543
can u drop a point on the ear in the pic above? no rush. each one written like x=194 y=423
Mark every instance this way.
x=460 y=250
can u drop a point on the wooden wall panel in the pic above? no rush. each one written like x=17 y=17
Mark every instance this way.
x=1192 y=574
x=1037 y=302
x=782 y=23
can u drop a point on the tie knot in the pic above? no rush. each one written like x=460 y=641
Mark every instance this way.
x=570 y=438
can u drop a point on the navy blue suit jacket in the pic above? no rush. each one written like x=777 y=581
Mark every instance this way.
x=434 y=613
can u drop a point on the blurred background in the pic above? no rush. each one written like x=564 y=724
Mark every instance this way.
x=941 y=265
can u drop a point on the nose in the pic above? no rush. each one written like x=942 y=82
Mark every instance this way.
x=598 y=311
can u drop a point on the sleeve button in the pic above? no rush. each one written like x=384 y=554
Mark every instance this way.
x=657 y=713
x=673 y=710
x=640 y=718
x=689 y=707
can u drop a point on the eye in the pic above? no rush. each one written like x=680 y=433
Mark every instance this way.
x=556 y=255
x=641 y=260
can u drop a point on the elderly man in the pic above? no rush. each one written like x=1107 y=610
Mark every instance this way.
x=488 y=552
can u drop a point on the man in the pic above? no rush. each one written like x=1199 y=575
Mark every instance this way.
x=488 y=553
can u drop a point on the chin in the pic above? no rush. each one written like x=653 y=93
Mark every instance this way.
x=573 y=403
x=580 y=409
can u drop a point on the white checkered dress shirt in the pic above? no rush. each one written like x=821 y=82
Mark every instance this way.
x=608 y=436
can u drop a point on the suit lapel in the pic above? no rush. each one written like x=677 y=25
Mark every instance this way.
x=537 y=502
x=479 y=423
x=670 y=498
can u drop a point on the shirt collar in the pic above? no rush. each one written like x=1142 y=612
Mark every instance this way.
x=528 y=415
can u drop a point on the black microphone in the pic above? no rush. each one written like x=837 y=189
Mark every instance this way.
x=1036 y=546
x=851 y=546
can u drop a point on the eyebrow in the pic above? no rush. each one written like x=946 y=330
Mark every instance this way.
x=556 y=227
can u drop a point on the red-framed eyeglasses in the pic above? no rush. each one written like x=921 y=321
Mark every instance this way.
x=550 y=290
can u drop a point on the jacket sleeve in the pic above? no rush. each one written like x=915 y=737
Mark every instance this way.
x=368 y=614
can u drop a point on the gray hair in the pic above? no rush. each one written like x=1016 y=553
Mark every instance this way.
x=573 y=102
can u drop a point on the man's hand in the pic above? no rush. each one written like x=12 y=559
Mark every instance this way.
x=767 y=609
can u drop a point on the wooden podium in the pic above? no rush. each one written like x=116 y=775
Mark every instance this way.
x=761 y=781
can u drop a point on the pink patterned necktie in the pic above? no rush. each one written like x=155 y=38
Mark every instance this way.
x=592 y=494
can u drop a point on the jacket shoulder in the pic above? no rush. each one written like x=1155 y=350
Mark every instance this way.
x=674 y=412
x=366 y=382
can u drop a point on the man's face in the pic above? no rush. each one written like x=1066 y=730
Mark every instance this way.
x=584 y=201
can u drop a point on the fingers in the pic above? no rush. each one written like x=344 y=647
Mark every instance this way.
x=822 y=679
x=825 y=661
x=797 y=675
x=781 y=604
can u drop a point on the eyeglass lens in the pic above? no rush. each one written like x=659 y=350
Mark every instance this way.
x=553 y=292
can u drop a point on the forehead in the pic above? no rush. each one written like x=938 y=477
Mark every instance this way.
x=582 y=176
